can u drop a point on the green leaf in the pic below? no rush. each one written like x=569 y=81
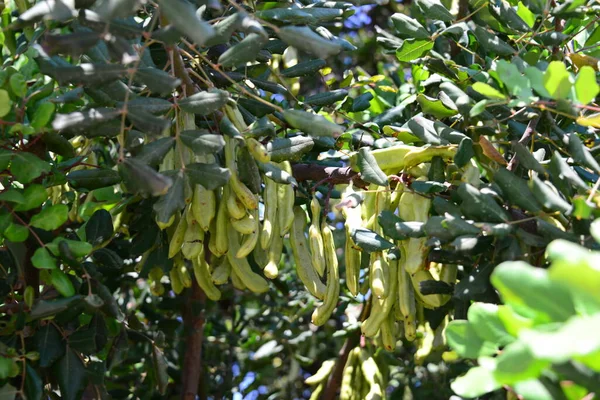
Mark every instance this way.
x=173 y=200
x=577 y=337
x=478 y=108
x=5 y=103
x=536 y=389
x=12 y=196
x=557 y=80
x=362 y=102
x=289 y=149
x=18 y=85
x=303 y=38
x=586 y=87
x=464 y=153
x=26 y=167
x=43 y=115
x=154 y=152
x=99 y=227
x=108 y=259
x=488 y=91
x=548 y=196
x=480 y=206
x=463 y=339
x=71 y=375
x=34 y=387
x=61 y=283
x=16 y=233
x=525 y=14
x=369 y=241
x=5 y=157
x=486 y=322
x=78 y=248
x=42 y=259
x=34 y=196
x=183 y=16
x=50 y=344
x=507 y=16
x=517 y=363
x=408 y=27
x=412 y=49
x=204 y=103
x=434 y=9
x=313 y=124
x=435 y=107
x=369 y=169
x=518 y=85
x=141 y=179
x=520 y=284
x=516 y=191
x=202 y=141
x=8 y=368
x=51 y=218
x=211 y=176
x=326 y=98
x=159 y=363
x=91 y=179
x=581 y=153
x=575 y=267
x=48 y=308
x=243 y=52
x=477 y=381
x=394 y=228
x=492 y=43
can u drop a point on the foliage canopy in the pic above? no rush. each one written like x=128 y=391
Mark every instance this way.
x=204 y=197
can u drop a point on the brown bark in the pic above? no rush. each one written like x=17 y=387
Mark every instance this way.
x=331 y=175
x=335 y=380
x=193 y=319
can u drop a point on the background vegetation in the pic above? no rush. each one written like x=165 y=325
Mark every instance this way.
x=445 y=145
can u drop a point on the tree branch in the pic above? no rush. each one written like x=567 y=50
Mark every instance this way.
x=335 y=380
x=331 y=175
x=193 y=319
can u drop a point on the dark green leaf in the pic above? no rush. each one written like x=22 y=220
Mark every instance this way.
x=464 y=153
x=204 y=103
x=303 y=68
x=50 y=344
x=492 y=43
x=183 y=15
x=527 y=159
x=362 y=102
x=211 y=176
x=202 y=141
x=173 y=200
x=147 y=122
x=292 y=149
x=154 y=152
x=434 y=9
x=71 y=375
x=516 y=190
x=369 y=169
x=245 y=51
x=99 y=227
x=408 y=27
x=142 y=179
x=108 y=259
x=159 y=364
x=369 y=241
x=91 y=179
x=47 y=308
x=303 y=38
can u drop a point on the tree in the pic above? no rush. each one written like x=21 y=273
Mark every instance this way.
x=186 y=210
